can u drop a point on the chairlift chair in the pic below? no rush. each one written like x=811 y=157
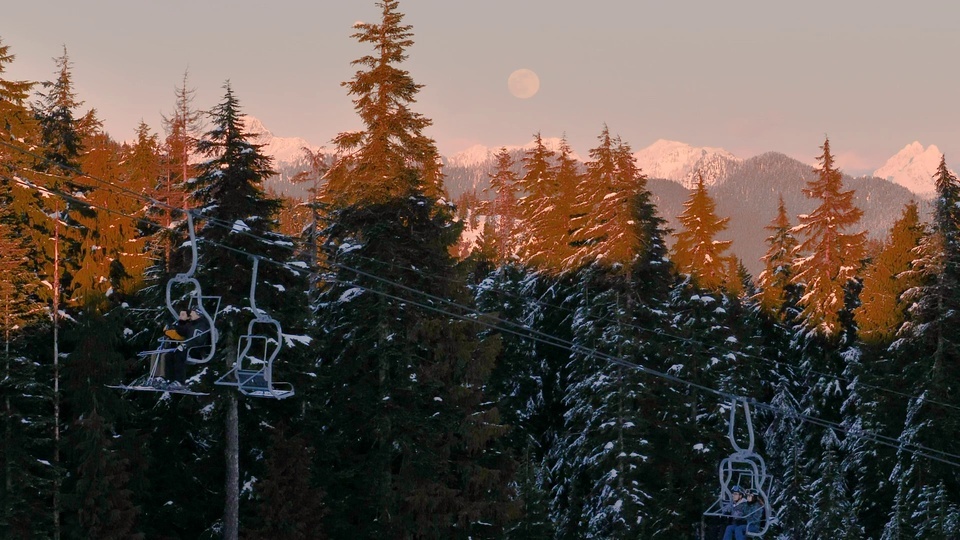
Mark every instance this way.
x=196 y=353
x=252 y=373
x=744 y=468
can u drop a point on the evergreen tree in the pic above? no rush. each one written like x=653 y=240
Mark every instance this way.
x=392 y=138
x=881 y=310
x=777 y=293
x=828 y=258
x=103 y=502
x=538 y=186
x=239 y=222
x=607 y=231
x=290 y=508
x=410 y=441
x=697 y=252
x=927 y=350
x=503 y=214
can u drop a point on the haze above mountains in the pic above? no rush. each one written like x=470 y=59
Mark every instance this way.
x=746 y=190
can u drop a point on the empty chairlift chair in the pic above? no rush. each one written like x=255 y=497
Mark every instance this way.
x=252 y=373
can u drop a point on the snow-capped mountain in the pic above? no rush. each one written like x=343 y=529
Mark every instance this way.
x=913 y=168
x=284 y=150
x=478 y=154
x=680 y=162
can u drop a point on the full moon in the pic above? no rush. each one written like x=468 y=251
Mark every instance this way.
x=523 y=83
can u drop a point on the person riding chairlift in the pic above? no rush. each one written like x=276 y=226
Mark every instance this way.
x=188 y=330
x=751 y=513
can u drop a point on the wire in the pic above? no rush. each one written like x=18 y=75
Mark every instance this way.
x=685 y=340
x=912 y=448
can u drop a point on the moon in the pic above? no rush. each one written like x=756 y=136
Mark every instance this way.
x=523 y=83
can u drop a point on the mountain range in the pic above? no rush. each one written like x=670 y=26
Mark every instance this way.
x=746 y=190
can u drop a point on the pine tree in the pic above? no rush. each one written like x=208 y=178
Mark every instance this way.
x=410 y=440
x=102 y=502
x=928 y=354
x=179 y=147
x=881 y=310
x=697 y=252
x=392 y=137
x=538 y=188
x=290 y=508
x=239 y=223
x=503 y=214
x=601 y=460
x=777 y=294
x=828 y=258
x=607 y=231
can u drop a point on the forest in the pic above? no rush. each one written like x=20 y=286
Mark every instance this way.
x=569 y=376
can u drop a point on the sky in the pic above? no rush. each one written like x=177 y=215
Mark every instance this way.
x=749 y=76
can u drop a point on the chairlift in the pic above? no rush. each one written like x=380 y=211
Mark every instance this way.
x=744 y=468
x=202 y=345
x=252 y=373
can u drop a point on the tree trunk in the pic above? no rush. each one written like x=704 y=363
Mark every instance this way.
x=56 y=374
x=231 y=510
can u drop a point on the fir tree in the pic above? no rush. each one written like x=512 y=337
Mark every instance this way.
x=503 y=214
x=777 y=294
x=927 y=351
x=607 y=231
x=239 y=222
x=410 y=440
x=538 y=188
x=290 y=507
x=697 y=252
x=392 y=137
x=828 y=258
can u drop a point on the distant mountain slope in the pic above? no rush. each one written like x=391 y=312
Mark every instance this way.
x=750 y=193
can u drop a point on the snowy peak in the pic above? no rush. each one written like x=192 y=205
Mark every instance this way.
x=913 y=168
x=681 y=162
x=283 y=150
x=479 y=154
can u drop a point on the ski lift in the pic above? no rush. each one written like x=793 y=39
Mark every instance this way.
x=202 y=345
x=252 y=373
x=743 y=469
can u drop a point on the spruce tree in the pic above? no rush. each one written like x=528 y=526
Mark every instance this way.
x=828 y=258
x=410 y=441
x=697 y=253
x=928 y=350
x=777 y=294
x=503 y=214
x=881 y=310
x=392 y=137
x=606 y=229
x=538 y=188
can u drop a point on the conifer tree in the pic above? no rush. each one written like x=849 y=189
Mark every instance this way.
x=827 y=258
x=538 y=188
x=607 y=231
x=881 y=310
x=697 y=252
x=182 y=128
x=601 y=461
x=503 y=183
x=392 y=137
x=929 y=354
x=290 y=507
x=239 y=222
x=410 y=440
x=777 y=294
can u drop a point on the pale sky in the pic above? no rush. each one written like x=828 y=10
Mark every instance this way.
x=749 y=76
